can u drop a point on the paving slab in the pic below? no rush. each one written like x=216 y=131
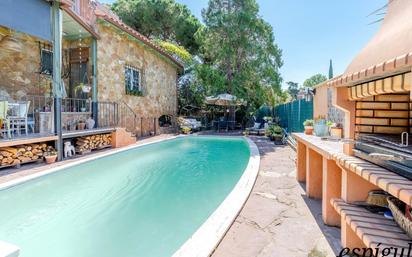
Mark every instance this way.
x=279 y=219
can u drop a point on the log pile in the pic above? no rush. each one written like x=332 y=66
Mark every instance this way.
x=16 y=155
x=86 y=144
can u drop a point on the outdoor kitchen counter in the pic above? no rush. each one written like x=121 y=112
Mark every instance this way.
x=316 y=166
x=326 y=148
x=332 y=175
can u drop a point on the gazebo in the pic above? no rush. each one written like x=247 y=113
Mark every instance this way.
x=230 y=102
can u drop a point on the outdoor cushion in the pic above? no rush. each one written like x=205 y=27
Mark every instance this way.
x=256 y=126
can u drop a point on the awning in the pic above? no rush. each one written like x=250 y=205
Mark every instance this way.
x=223 y=100
x=395 y=84
x=28 y=16
x=389 y=52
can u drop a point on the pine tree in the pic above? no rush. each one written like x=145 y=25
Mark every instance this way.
x=238 y=42
x=330 y=69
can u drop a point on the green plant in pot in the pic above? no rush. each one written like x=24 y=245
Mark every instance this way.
x=50 y=156
x=308 y=124
x=277 y=134
x=320 y=127
x=186 y=130
x=81 y=124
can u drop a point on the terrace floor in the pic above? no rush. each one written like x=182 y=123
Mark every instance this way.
x=278 y=219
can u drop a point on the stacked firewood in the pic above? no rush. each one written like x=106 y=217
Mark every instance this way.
x=86 y=144
x=10 y=156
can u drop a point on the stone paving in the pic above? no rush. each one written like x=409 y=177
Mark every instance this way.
x=278 y=219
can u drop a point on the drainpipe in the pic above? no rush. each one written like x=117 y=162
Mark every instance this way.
x=57 y=81
x=94 y=81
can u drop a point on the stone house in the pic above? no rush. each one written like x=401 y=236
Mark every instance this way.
x=73 y=60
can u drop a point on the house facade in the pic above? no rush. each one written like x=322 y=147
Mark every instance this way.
x=69 y=61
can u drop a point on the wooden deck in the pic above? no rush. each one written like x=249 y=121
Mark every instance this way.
x=39 y=138
x=30 y=139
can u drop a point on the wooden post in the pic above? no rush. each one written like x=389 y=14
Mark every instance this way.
x=331 y=188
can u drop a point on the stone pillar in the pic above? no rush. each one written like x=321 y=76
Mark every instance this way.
x=354 y=187
x=313 y=174
x=348 y=237
x=331 y=188
x=301 y=162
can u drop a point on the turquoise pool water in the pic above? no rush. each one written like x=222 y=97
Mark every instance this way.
x=144 y=202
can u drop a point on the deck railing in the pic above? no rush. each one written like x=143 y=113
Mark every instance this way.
x=107 y=114
x=40 y=116
x=127 y=118
x=76 y=105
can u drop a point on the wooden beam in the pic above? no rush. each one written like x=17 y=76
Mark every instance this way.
x=27 y=141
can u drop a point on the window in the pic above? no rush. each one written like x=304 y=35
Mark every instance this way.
x=132 y=80
x=46 y=66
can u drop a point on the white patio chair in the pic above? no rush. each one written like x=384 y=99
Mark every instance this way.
x=18 y=116
x=4 y=106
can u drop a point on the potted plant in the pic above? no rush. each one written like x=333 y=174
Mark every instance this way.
x=277 y=134
x=50 y=156
x=268 y=119
x=186 y=130
x=336 y=131
x=320 y=127
x=83 y=88
x=90 y=123
x=81 y=124
x=308 y=124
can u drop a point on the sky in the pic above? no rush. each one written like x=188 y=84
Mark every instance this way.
x=312 y=34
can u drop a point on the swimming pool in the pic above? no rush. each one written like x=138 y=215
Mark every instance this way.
x=145 y=201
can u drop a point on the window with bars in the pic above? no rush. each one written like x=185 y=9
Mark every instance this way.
x=46 y=66
x=132 y=81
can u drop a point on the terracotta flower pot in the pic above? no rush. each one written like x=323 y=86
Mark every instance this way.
x=308 y=130
x=50 y=159
x=336 y=132
x=81 y=125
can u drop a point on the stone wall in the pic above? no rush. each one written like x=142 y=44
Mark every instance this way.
x=19 y=70
x=115 y=50
x=334 y=114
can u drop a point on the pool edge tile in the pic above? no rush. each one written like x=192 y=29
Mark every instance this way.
x=205 y=240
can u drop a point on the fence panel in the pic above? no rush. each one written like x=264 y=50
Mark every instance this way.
x=293 y=114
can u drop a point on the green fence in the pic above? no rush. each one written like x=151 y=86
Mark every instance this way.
x=293 y=114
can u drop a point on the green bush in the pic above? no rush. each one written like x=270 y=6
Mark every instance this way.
x=274 y=130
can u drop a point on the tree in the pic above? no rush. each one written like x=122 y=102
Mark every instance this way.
x=330 y=69
x=176 y=51
x=293 y=89
x=241 y=45
x=164 y=20
x=314 y=80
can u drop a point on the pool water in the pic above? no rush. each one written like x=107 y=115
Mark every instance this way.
x=144 y=202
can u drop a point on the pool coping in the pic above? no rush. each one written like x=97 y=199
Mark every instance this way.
x=205 y=240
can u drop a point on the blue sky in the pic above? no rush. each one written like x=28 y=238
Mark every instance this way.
x=311 y=34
